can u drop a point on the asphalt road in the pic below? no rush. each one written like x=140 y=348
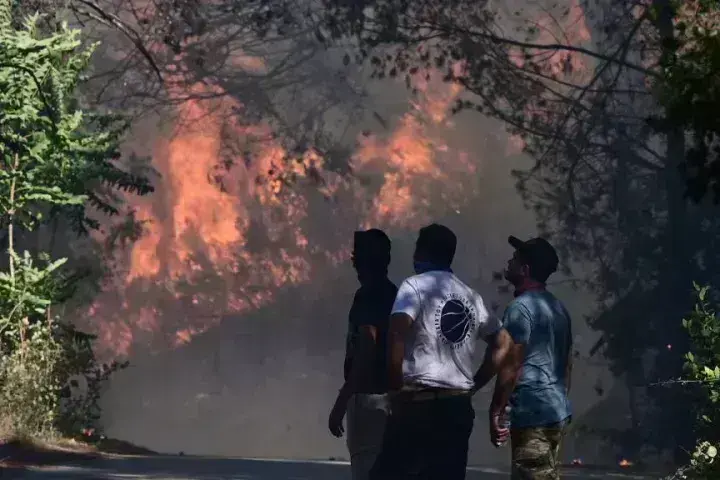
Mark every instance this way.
x=206 y=468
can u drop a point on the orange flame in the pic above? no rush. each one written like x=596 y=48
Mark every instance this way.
x=218 y=240
x=414 y=157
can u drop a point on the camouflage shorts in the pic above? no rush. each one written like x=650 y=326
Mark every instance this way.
x=536 y=451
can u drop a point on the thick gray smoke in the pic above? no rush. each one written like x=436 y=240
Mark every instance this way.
x=261 y=381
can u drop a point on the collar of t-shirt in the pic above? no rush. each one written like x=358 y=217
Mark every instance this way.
x=423 y=267
x=529 y=285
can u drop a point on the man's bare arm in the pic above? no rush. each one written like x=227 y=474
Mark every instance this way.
x=507 y=378
x=399 y=326
x=499 y=345
x=360 y=370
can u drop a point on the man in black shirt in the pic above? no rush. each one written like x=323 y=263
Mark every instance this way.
x=363 y=394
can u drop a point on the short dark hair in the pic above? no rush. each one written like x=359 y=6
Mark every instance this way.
x=438 y=242
x=373 y=247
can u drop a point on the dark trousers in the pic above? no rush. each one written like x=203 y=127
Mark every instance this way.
x=426 y=440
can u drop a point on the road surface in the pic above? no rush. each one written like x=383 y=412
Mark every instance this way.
x=207 y=468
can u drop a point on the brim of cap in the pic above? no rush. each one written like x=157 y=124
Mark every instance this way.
x=516 y=243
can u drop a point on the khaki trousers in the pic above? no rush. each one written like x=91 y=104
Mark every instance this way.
x=366 y=417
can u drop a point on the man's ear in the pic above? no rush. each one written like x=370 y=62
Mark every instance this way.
x=525 y=269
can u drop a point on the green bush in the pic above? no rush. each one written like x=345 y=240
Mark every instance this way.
x=703 y=370
x=55 y=160
x=30 y=381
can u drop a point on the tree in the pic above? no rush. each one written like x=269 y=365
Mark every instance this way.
x=690 y=93
x=607 y=133
x=263 y=57
x=156 y=55
x=58 y=161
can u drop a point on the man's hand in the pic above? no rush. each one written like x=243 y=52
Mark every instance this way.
x=335 y=422
x=498 y=432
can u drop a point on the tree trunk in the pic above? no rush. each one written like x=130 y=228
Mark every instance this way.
x=11 y=219
x=676 y=275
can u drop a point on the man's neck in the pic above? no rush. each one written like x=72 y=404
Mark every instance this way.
x=528 y=285
x=368 y=280
x=423 y=267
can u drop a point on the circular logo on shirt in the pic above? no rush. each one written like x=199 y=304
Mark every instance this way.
x=455 y=319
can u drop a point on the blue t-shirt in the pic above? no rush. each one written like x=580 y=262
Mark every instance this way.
x=540 y=321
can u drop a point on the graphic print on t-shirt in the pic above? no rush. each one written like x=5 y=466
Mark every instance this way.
x=455 y=319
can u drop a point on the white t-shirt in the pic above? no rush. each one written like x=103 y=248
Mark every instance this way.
x=448 y=320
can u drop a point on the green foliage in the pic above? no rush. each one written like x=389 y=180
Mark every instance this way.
x=55 y=160
x=702 y=363
x=31 y=378
x=703 y=368
x=54 y=154
x=83 y=379
x=690 y=91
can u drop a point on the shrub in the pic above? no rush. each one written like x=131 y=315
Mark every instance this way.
x=703 y=370
x=55 y=160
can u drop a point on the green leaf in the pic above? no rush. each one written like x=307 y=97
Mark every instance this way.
x=702 y=294
x=711 y=451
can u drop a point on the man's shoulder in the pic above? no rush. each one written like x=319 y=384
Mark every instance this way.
x=389 y=286
x=544 y=296
x=384 y=286
x=432 y=278
x=519 y=305
x=533 y=298
x=458 y=286
x=380 y=288
x=416 y=280
x=538 y=302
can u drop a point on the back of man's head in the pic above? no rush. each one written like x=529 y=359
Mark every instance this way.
x=372 y=249
x=437 y=244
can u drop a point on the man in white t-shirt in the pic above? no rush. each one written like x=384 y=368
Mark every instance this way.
x=435 y=326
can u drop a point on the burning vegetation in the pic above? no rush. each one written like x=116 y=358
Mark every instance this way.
x=248 y=205
x=229 y=222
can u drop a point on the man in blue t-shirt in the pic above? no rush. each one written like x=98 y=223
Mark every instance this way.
x=541 y=329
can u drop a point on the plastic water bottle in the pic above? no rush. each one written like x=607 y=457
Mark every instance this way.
x=504 y=422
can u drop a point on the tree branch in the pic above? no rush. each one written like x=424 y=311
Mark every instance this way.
x=51 y=112
x=448 y=30
x=113 y=21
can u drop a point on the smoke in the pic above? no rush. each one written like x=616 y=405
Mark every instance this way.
x=231 y=302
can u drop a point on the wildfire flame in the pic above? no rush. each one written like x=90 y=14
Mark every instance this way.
x=413 y=159
x=221 y=233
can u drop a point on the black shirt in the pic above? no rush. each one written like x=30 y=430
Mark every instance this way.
x=372 y=305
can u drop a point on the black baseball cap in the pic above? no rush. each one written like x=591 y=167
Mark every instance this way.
x=537 y=252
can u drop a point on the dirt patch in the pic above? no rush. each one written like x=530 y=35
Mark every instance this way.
x=21 y=452
x=119 y=447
